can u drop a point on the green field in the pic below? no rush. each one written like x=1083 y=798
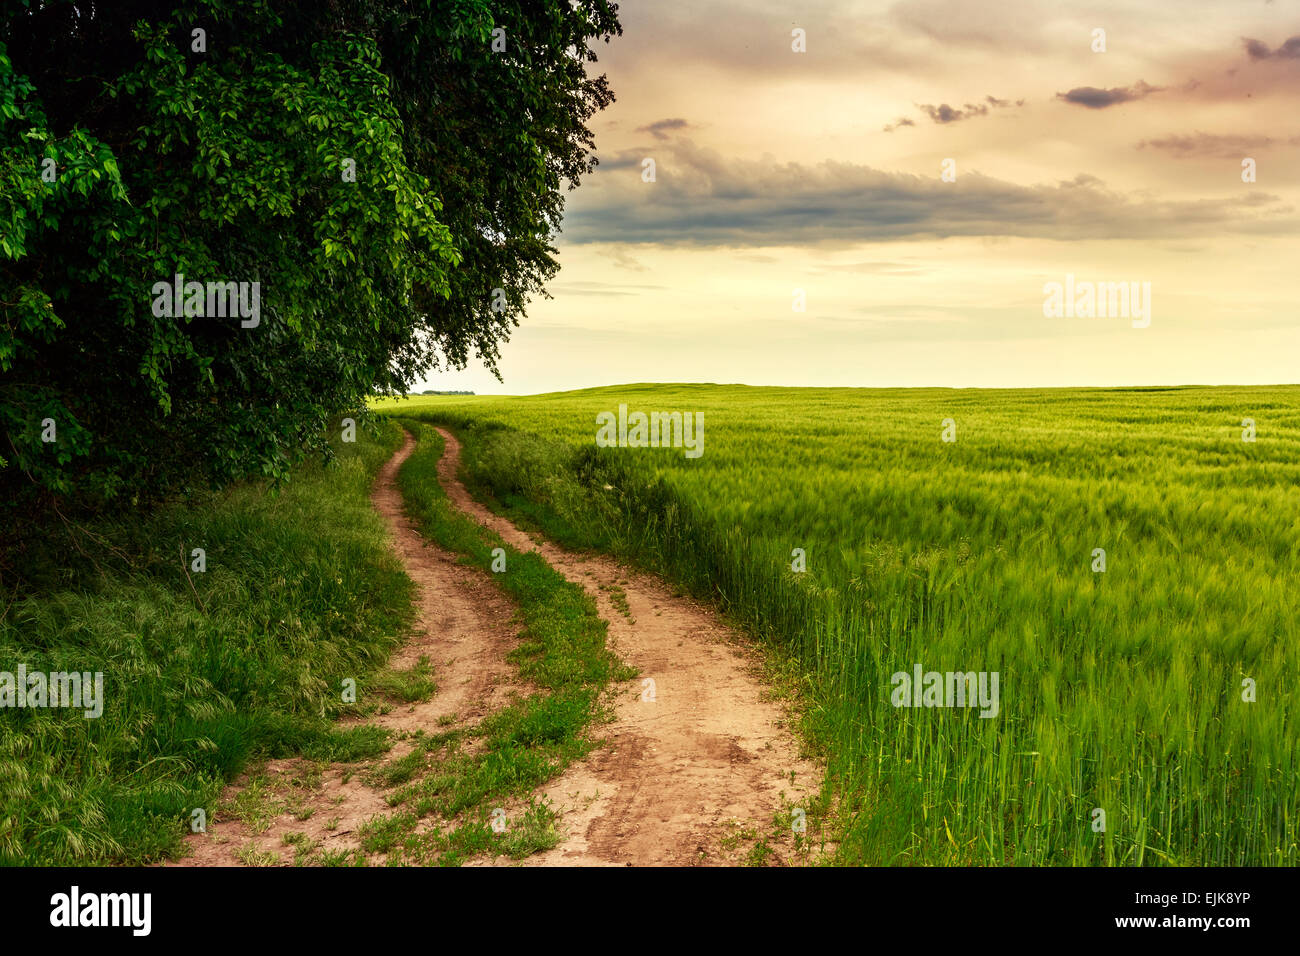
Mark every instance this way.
x=1120 y=690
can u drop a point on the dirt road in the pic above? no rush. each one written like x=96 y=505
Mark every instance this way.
x=683 y=775
x=697 y=762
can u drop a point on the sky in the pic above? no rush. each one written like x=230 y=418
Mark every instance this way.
x=823 y=171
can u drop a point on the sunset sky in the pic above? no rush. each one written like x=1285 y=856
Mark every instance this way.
x=778 y=170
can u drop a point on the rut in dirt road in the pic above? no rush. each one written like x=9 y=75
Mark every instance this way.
x=686 y=777
x=463 y=625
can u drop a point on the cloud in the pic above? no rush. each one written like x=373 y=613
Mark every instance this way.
x=702 y=198
x=751 y=38
x=950 y=24
x=1258 y=49
x=1216 y=145
x=660 y=129
x=946 y=114
x=943 y=113
x=901 y=121
x=622 y=260
x=1094 y=98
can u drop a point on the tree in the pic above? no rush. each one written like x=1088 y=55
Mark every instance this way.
x=384 y=178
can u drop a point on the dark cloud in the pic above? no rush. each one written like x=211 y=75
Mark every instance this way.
x=1215 y=145
x=1258 y=49
x=943 y=113
x=1094 y=98
x=702 y=198
x=628 y=159
x=660 y=129
x=901 y=121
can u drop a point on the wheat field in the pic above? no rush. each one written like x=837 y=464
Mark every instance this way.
x=1146 y=696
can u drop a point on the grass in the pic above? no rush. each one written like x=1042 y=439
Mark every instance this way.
x=203 y=671
x=405 y=686
x=1121 y=690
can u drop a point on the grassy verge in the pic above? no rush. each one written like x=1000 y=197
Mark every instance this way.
x=468 y=779
x=203 y=670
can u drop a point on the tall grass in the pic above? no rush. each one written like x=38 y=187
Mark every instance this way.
x=201 y=670
x=1120 y=691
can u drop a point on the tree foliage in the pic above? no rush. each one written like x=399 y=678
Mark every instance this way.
x=224 y=156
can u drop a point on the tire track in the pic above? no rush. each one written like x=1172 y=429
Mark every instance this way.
x=711 y=757
x=463 y=625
